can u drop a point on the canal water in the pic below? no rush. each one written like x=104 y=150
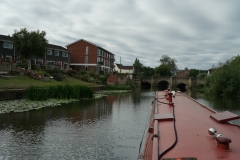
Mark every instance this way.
x=110 y=128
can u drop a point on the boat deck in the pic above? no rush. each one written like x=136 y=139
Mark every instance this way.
x=192 y=123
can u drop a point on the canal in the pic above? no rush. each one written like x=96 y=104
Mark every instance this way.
x=109 y=128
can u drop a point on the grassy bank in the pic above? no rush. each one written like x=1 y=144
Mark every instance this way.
x=23 y=82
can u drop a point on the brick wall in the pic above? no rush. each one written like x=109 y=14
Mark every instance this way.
x=78 y=52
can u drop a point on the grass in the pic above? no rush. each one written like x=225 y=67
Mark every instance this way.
x=23 y=82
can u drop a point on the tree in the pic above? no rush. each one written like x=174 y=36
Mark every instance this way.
x=147 y=71
x=163 y=70
x=170 y=62
x=137 y=68
x=193 y=73
x=224 y=80
x=30 y=44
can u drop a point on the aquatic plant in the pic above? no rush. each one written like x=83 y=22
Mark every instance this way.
x=60 y=92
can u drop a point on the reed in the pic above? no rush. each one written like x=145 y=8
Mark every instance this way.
x=60 y=92
x=36 y=93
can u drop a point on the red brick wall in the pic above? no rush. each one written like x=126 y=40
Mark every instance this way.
x=112 y=79
x=78 y=52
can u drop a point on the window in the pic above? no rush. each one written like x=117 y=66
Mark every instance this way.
x=40 y=61
x=8 y=45
x=64 y=54
x=99 y=52
x=86 y=50
x=50 y=62
x=56 y=53
x=86 y=59
x=9 y=58
x=49 y=52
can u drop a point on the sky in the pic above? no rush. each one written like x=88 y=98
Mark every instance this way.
x=196 y=33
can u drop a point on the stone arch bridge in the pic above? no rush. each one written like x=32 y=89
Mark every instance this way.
x=174 y=82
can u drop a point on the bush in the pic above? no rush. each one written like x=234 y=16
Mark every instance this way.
x=58 y=77
x=202 y=75
x=72 y=73
x=53 y=70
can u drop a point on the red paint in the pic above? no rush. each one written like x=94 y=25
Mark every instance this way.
x=192 y=123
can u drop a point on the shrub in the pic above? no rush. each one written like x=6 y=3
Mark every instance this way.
x=72 y=73
x=57 y=76
x=53 y=70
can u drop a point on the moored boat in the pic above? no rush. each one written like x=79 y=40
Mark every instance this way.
x=181 y=128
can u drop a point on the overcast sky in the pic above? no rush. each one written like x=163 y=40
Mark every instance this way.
x=197 y=33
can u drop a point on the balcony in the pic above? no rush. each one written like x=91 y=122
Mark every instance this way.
x=113 y=59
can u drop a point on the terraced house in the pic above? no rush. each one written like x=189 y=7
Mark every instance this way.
x=87 y=56
x=55 y=56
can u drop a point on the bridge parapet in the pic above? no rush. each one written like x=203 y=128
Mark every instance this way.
x=173 y=81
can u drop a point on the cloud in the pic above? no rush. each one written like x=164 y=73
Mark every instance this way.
x=198 y=34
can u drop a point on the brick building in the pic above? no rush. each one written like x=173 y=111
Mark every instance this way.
x=88 y=56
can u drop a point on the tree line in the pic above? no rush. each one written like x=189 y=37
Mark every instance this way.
x=224 y=79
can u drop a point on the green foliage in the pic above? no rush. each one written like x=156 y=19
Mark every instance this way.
x=30 y=44
x=225 y=80
x=58 y=76
x=53 y=70
x=202 y=75
x=170 y=62
x=137 y=68
x=59 y=92
x=147 y=71
x=193 y=73
x=163 y=70
x=22 y=64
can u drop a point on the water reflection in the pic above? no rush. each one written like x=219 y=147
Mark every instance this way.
x=107 y=128
x=93 y=129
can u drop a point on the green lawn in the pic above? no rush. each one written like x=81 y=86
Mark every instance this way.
x=22 y=82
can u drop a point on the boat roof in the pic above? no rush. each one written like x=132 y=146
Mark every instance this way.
x=192 y=122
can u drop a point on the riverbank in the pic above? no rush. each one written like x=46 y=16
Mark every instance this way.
x=23 y=82
x=23 y=105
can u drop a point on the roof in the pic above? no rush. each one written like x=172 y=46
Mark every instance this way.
x=52 y=46
x=89 y=43
x=120 y=66
x=83 y=40
x=5 y=38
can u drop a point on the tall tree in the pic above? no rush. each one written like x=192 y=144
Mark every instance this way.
x=193 y=73
x=170 y=62
x=137 y=68
x=163 y=70
x=147 y=71
x=30 y=44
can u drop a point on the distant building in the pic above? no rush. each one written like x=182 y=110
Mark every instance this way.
x=55 y=56
x=185 y=72
x=88 y=56
x=124 y=69
x=182 y=73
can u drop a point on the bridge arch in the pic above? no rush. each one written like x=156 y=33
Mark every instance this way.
x=163 y=84
x=146 y=85
x=182 y=87
x=173 y=81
